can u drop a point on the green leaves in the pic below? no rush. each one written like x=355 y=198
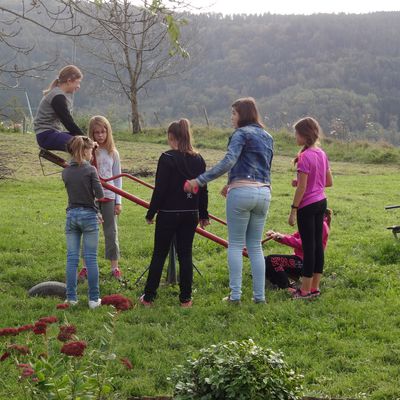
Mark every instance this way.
x=238 y=371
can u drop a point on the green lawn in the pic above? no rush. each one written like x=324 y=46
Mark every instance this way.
x=346 y=343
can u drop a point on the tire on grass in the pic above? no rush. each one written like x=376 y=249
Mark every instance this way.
x=50 y=288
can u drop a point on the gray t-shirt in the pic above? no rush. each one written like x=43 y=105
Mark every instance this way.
x=46 y=118
x=83 y=185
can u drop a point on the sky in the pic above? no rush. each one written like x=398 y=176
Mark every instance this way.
x=296 y=6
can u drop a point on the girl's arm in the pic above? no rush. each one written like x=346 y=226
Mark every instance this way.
x=161 y=187
x=203 y=199
x=97 y=188
x=298 y=195
x=329 y=178
x=291 y=240
x=60 y=107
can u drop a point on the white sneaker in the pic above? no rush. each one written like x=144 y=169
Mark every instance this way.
x=94 y=304
x=71 y=302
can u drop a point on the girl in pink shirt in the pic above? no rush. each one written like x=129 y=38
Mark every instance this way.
x=283 y=268
x=309 y=203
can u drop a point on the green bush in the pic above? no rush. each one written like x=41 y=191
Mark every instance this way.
x=236 y=370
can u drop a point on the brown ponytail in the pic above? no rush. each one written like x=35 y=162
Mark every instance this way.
x=77 y=146
x=69 y=72
x=309 y=129
x=181 y=132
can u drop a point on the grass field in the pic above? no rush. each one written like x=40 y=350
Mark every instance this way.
x=346 y=343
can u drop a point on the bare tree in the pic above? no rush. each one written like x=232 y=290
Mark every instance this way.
x=133 y=45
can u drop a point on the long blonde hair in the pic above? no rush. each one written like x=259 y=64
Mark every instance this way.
x=99 y=120
x=77 y=146
x=69 y=72
x=309 y=129
x=181 y=132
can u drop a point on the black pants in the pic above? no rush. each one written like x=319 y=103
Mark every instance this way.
x=182 y=225
x=310 y=223
x=280 y=267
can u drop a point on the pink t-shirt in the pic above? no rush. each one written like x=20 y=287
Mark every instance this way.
x=315 y=164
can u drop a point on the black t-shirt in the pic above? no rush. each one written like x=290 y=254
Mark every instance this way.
x=173 y=169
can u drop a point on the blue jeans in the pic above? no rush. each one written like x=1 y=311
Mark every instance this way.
x=246 y=210
x=82 y=222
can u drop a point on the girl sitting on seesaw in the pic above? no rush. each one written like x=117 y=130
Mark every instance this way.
x=281 y=268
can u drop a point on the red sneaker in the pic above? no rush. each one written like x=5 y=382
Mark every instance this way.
x=145 y=303
x=116 y=273
x=187 y=304
x=299 y=294
x=82 y=274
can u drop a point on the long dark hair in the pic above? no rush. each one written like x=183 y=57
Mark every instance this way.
x=247 y=109
x=309 y=129
x=181 y=132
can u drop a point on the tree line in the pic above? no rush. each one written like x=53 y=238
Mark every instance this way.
x=343 y=69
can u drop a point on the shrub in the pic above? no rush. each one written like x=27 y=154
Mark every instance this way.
x=236 y=370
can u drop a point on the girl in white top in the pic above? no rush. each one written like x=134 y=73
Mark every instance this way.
x=108 y=165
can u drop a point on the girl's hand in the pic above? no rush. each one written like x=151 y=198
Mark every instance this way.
x=269 y=235
x=117 y=209
x=192 y=186
x=149 y=221
x=204 y=222
x=292 y=217
x=100 y=219
x=224 y=191
x=294 y=182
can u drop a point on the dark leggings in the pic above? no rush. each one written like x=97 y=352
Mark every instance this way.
x=310 y=222
x=280 y=267
x=182 y=225
x=53 y=140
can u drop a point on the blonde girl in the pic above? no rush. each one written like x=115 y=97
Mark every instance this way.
x=55 y=110
x=309 y=203
x=83 y=186
x=108 y=165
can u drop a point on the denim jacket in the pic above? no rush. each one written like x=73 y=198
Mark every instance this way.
x=249 y=156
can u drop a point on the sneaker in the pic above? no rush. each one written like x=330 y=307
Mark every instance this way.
x=298 y=294
x=187 y=304
x=258 y=301
x=230 y=301
x=145 y=303
x=291 y=290
x=82 y=274
x=116 y=273
x=315 y=293
x=71 y=302
x=94 y=304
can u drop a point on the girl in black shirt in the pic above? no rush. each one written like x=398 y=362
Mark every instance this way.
x=178 y=213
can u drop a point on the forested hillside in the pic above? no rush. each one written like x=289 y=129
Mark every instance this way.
x=342 y=69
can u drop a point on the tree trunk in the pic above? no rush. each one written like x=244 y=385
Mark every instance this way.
x=136 y=127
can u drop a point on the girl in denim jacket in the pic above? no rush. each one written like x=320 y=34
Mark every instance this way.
x=248 y=193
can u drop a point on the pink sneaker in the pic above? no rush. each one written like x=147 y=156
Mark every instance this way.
x=82 y=274
x=116 y=273
x=187 y=304
x=145 y=303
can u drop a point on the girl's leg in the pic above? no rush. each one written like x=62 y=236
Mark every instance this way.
x=73 y=236
x=238 y=206
x=53 y=140
x=165 y=230
x=110 y=229
x=90 y=229
x=253 y=240
x=319 y=248
x=184 y=242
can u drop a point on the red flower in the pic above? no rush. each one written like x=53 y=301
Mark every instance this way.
x=40 y=328
x=9 y=332
x=24 y=328
x=5 y=356
x=125 y=361
x=19 y=349
x=27 y=370
x=74 y=349
x=48 y=320
x=62 y=306
x=120 y=302
x=66 y=332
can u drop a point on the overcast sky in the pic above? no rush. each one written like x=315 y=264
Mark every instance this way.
x=296 y=6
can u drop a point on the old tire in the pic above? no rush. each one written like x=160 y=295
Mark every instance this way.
x=50 y=288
